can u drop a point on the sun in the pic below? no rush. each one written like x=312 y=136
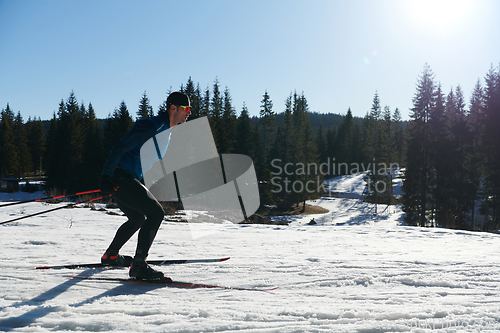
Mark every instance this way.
x=440 y=16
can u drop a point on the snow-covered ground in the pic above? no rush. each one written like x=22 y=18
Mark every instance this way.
x=352 y=272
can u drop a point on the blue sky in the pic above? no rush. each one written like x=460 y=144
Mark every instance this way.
x=339 y=53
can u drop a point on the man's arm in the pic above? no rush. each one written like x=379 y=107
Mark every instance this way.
x=142 y=131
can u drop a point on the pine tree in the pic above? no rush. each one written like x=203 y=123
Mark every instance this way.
x=476 y=124
x=145 y=109
x=371 y=121
x=437 y=157
x=93 y=152
x=385 y=148
x=267 y=121
x=21 y=142
x=289 y=145
x=398 y=137
x=306 y=154
x=416 y=185
x=244 y=134
x=36 y=143
x=9 y=159
x=376 y=109
x=320 y=143
x=465 y=186
x=476 y=127
x=331 y=138
x=283 y=151
x=228 y=123
x=215 y=113
x=116 y=126
x=205 y=103
x=342 y=145
x=65 y=146
x=53 y=169
x=491 y=141
x=378 y=146
x=73 y=143
x=447 y=170
x=194 y=95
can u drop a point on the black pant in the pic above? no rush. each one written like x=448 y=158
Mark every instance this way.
x=144 y=212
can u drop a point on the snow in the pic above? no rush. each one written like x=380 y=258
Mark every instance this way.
x=352 y=272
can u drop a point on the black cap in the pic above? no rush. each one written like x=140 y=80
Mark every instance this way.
x=178 y=98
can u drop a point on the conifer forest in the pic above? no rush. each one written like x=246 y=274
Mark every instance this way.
x=448 y=151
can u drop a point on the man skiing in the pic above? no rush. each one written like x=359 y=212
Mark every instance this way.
x=121 y=177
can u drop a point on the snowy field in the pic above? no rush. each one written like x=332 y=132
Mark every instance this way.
x=352 y=272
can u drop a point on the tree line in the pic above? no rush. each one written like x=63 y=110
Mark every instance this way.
x=447 y=149
x=73 y=149
x=453 y=156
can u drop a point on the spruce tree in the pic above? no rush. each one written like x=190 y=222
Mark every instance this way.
x=116 y=126
x=289 y=145
x=342 y=145
x=331 y=138
x=305 y=153
x=357 y=144
x=370 y=130
x=267 y=120
x=23 y=152
x=491 y=141
x=93 y=152
x=244 y=134
x=378 y=149
x=282 y=151
x=54 y=154
x=398 y=137
x=386 y=154
x=320 y=142
x=145 y=109
x=205 y=103
x=464 y=185
x=73 y=133
x=65 y=164
x=476 y=125
x=196 y=103
x=215 y=113
x=36 y=143
x=194 y=95
x=228 y=123
x=416 y=185
x=438 y=157
x=9 y=159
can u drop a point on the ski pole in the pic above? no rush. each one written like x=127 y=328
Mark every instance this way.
x=48 y=198
x=54 y=209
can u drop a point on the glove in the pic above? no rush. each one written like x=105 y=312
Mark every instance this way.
x=107 y=186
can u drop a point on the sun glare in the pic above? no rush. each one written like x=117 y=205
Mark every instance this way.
x=439 y=15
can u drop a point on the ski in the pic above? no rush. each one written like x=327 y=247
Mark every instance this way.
x=169 y=283
x=151 y=262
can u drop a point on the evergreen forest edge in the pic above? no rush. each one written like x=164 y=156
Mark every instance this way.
x=448 y=148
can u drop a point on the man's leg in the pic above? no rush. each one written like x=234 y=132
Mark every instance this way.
x=135 y=200
x=127 y=229
x=140 y=199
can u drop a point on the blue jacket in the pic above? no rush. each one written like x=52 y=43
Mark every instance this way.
x=126 y=153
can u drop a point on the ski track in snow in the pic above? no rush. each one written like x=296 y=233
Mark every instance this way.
x=352 y=272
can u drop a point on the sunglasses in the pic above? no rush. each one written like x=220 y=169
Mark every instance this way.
x=186 y=108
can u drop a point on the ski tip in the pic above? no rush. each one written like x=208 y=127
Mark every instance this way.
x=224 y=259
x=43 y=267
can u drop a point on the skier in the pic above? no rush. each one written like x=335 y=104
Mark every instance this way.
x=121 y=177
